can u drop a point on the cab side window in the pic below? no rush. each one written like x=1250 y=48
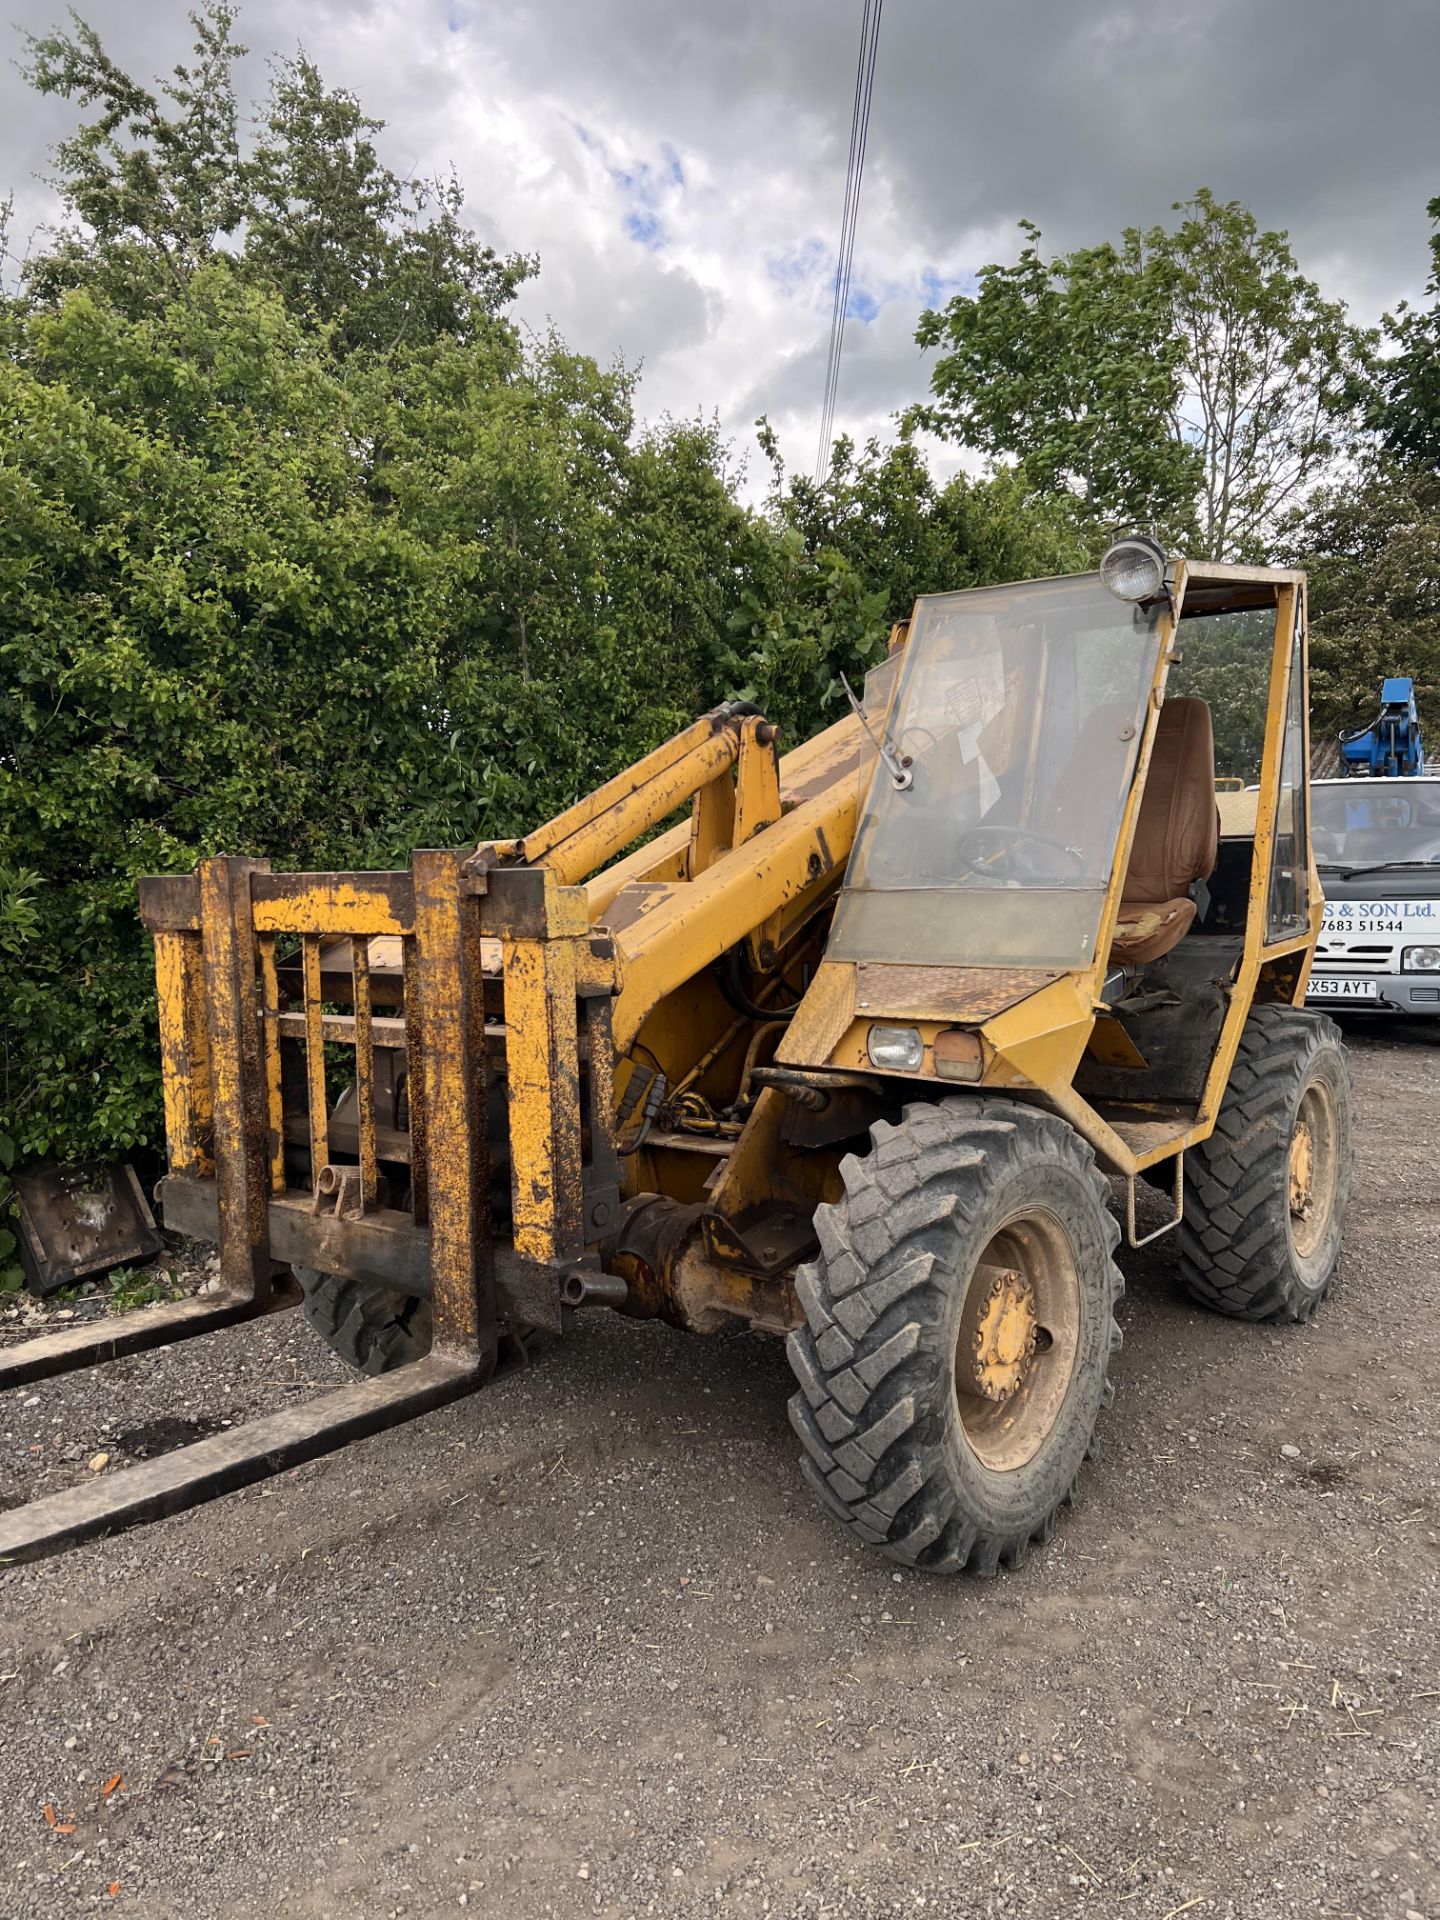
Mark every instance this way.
x=1288 y=911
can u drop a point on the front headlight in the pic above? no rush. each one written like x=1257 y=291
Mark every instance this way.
x=896 y=1049
x=1133 y=568
x=1420 y=960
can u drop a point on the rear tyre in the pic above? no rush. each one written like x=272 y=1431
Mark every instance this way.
x=372 y=1328
x=958 y=1328
x=1266 y=1194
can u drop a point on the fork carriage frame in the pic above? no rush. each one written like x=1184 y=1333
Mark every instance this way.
x=505 y=970
x=221 y=970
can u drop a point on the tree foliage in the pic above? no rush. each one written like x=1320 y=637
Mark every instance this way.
x=1190 y=379
x=258 y=602
x=158 y=181
x=1373 y=551
x=1408 y=413
x=1372 y=542
x=1068 y=368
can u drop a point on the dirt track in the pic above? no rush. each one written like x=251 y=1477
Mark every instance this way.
x=583 y=1645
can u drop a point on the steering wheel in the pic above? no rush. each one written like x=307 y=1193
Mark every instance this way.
x=1009 y=839
x=914 y=740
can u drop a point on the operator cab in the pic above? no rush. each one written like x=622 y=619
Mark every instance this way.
x=1003 y=827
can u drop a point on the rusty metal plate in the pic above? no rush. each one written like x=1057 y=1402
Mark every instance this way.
x=884 y=991
x=81 y=1219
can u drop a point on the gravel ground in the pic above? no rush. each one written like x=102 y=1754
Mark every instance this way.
x=584 y=1645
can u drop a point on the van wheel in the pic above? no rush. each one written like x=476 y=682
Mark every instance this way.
x=958 y=1328
x=1266 y=1195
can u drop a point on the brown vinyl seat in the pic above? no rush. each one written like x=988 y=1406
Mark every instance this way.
x=1177 y=836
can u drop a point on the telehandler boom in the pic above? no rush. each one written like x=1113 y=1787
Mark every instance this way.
x=844 y=1054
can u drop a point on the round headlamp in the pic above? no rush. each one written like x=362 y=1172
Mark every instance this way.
x=1133 y=568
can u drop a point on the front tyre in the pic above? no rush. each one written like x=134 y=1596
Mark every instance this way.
x=1266 y=1194
x=958 y=1328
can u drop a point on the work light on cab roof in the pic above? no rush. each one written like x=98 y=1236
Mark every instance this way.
x=1133 y=567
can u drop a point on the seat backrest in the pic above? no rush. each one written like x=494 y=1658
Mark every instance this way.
x=1177 y=835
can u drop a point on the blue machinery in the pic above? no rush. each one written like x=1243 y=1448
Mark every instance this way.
x=1391 y=743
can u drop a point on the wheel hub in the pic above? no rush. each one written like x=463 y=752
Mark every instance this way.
x=1302 y=1169
x=1006 y=1334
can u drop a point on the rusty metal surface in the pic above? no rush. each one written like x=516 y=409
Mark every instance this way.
x=184 y=1052
x=83 y=1218
x=332 y=903
x=823 y=1017
x=543 y=975
x=386 y=1031
x=884 y=991
x=238 y=1458
x=579 y=841
x=137 y=1332
x=364 y=1071
x=450 y=992
x=232 y=1014
x=319 y=1098
x=170 y=903
x=385 y=1247
x=602 y=1171
x=417 y=1100
x=270 y=1053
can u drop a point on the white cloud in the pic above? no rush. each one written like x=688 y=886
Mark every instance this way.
x=679 y=167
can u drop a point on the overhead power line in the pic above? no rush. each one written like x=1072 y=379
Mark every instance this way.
x=854 y=173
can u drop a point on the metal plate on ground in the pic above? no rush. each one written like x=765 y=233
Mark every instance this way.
x=81 y=1219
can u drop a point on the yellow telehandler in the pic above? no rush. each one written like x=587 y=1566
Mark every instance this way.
x=844 y=1054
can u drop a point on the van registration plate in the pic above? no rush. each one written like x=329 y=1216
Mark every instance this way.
x=1333 y=986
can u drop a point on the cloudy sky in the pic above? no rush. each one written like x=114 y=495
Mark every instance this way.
x=678 y=165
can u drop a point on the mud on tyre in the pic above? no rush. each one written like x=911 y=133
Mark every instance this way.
x=1266 y=1194
x=958 y=1328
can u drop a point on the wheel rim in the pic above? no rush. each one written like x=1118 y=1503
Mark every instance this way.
x=1018 y=1339
x=1314 y=1167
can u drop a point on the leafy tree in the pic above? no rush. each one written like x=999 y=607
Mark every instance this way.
x=155 y=177
x=902 y=531
x=1190 y=379
x=159 y=181
x=1071 y=369
x=1372 y=548
x=257 y=600
x=346 y=240
x=1408 y=415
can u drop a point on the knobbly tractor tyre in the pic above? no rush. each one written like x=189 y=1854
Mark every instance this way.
x=1266 y=1194
x=371 y=1328
x=958 y=1328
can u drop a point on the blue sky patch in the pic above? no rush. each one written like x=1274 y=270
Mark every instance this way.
x=644 y=188
x=646 y=226
x=801 y=266
x=937 y=288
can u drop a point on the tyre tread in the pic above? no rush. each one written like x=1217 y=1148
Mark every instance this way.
x=873 y=1300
